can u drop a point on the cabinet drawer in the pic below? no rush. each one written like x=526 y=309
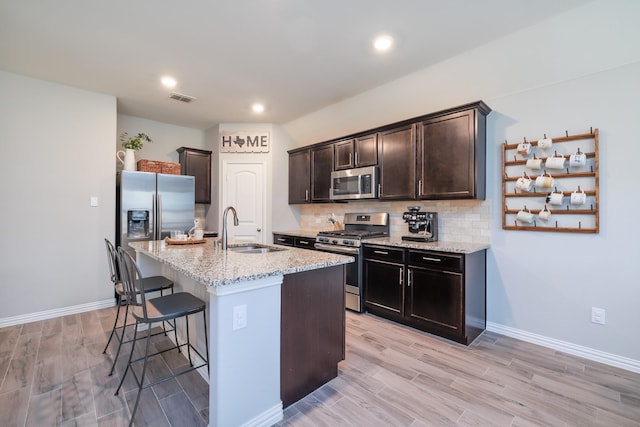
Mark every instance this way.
x=305 y=242
x=440 y=260
x=282 y=239
x=384 y=253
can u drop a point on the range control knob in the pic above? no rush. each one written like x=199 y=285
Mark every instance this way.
x=335 y=242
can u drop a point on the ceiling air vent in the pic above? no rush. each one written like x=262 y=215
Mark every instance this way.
x=181 y=97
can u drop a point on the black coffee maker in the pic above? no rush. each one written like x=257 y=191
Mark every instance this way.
x=423 y=226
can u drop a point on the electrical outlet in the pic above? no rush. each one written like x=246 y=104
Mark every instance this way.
x=598 y=315
x=93 y=201
x=318 y=220
x=239 y=317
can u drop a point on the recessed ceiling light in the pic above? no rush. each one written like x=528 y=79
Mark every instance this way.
x=383 y=43
x=168 y=81
x=257 y=108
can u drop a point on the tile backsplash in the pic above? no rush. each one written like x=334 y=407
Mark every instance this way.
x=458 y=220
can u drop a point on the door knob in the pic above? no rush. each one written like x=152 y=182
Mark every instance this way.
x=259 y=230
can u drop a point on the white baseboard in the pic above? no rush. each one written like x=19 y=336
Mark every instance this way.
x=269 y=417
x=58 y=312
x=567 y=347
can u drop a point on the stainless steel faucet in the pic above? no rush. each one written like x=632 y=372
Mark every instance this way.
x=224 y=225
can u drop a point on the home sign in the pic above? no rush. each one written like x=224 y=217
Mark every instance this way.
x=244 y=142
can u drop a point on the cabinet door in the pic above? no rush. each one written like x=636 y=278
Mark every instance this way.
x=383 y=288
x=344 y=154
x=447 y=157
x=197 y=163
x=397 y=156
x=321 y=167
x=366 y=150
x=299 y=177
x=435 y=300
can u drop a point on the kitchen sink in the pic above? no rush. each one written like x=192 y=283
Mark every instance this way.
x=253 y=248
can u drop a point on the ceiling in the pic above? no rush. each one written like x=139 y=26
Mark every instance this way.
x=295 y=56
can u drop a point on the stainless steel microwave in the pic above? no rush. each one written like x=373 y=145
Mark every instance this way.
x=353 y=184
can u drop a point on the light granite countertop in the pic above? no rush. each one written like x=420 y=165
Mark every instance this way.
x=441 y=246
x=206 y=263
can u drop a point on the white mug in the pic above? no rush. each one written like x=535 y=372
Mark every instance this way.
x=577 y=160
x=544 y=181
x=544 y=214
x=555 y=162
x=545 y=143
x=524 y=148
x=524 y=183
x=524 y=216
x=555 y=199
x=534 y=164
x=578 y=197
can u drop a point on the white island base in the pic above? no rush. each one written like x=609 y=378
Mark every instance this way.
x=244 y=363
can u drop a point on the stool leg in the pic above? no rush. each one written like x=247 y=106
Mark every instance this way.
x=186 y=318
x=206 y=339
x=113 y=330
x=124 y=327
x=126 y=370
x=144 y=370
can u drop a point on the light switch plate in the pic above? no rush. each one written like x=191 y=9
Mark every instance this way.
x=93 y=201
x=239 y=317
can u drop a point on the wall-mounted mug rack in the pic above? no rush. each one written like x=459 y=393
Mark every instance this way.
x=581 y=177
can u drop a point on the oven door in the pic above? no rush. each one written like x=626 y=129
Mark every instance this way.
x=353 y=285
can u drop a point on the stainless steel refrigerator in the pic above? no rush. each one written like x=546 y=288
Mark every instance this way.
x=150 y=205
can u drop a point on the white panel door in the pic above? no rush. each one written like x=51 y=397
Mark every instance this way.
x=244 y=189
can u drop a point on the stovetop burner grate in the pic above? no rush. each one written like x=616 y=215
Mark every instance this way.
x=355 y=234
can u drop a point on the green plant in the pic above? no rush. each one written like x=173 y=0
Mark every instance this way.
x=134 y=142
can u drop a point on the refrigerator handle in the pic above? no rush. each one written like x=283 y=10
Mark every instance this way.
x=153 y=215
x=159 y=218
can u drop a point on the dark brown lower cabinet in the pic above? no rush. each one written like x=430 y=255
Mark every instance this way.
x=438 y=292
x=312 y=331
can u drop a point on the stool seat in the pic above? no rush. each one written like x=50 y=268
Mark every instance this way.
x=169 y=307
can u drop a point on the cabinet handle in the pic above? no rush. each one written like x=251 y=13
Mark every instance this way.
x=306 y=195
x=419 y=187
x=410 y=280
x=426 y=258
x=303 y=242
x=381 y=252
x=356 y=157
x=401 y=276
x=350 y=164
x=281 y=240
x=379 y=190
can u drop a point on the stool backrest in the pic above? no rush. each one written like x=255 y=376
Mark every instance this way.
x=111 y=258
x=130 y=276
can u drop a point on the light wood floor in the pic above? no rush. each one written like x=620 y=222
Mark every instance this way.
x=53 y=373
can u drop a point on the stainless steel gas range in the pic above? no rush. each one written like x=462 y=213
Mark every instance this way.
x=357 y=228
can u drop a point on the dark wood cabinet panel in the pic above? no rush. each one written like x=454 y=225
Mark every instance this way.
x=437 y=292
x=321 y=168
x=312 y=331
x=356 y=152
x=299 y=176
x=397 y=157
x=383 y=287
x=197 y=163
x=435 y=297
x=343 y=154
x=365 y=150
x=451 y=155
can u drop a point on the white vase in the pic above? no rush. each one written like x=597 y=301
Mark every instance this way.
x=128 y=159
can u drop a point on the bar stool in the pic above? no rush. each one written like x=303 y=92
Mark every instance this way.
x=148 y=284
x=146 y=312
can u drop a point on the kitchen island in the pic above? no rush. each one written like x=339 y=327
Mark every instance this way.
x=275 y=322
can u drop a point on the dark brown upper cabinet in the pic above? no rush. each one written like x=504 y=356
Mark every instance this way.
x=321 y=168
x=299 y=176
x=397 y=161
x=197 y=163
x=451 y=151
x=356 y=152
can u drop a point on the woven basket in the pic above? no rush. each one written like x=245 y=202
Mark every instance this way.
x=149 y=166
x=171 y=168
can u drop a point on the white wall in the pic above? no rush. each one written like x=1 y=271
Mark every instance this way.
x=576 y=70
x=58 y=146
